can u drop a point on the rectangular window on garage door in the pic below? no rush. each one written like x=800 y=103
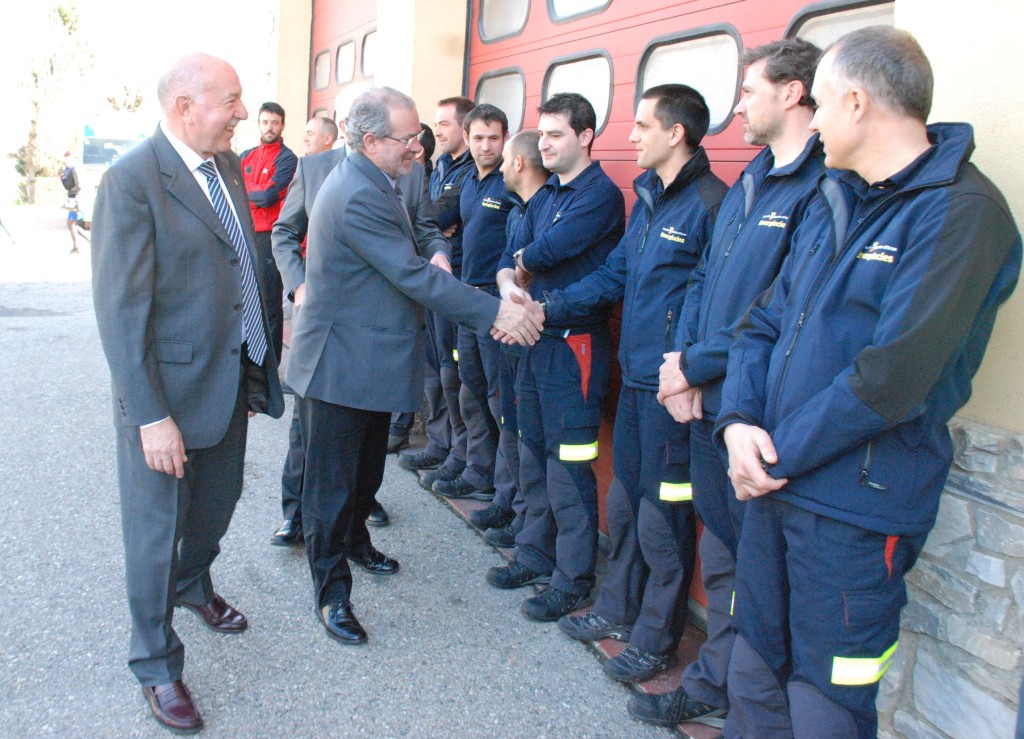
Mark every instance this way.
x=823 y=23
x=707 y=60
x=564 y=10
x=505 y=89
x=589 y=74
x=345 y=63
x=369 y=58
x=321 y=70
x=502 y=18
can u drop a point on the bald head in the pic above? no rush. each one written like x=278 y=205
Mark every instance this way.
x=201 y=97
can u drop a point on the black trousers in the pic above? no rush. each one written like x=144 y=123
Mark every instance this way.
x=345 y=451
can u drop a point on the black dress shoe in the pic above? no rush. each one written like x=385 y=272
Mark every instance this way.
x=172 y=706
x=377 y=516
x=219 y=615
x=288 y=535
x=376 y=563
x=341 y=624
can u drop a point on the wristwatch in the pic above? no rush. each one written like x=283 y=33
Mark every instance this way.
x=517 y=257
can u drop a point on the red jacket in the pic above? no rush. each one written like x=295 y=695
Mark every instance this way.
x=268 y=170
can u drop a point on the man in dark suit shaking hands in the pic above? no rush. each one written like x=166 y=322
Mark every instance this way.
x=185 y=334
x=357 y=346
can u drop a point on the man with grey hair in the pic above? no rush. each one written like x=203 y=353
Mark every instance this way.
x=320 y=134
x=840 y=383
x=172 y=240
x=358 y=341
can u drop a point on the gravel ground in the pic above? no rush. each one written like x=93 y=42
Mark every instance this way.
x=448 y=655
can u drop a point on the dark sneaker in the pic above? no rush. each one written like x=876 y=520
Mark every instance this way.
x=552 y=604
x=515 y=575
x=633 y=664
x=460 y=489
x=592 y=627
x=418 y=461
x=397 y=443
x=669 y=709
x=505 y=537
x=491 y=517
x=429 y=477
x=377 y=515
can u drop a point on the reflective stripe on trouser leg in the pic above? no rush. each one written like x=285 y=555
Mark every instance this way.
x=861 y=670
x=577 y=452
x=675 y=492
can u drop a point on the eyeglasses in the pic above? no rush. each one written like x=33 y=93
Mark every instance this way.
x=407 y=142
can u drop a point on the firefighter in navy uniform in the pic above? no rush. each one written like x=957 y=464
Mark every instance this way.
x=570 y=227
x=751 y=239
x=523 y=171
x=840 y=385
x=651 y=522
x=484 y=208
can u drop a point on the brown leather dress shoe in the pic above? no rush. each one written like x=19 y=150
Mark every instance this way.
x=219 y=615
x=172 y=706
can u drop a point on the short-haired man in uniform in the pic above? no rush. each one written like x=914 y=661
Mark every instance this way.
x=444 y=457
x=523 y=170
x=268 y=169
x=751 y=238
x=484 y=208
x=570 y=227
x=650 y=514
x=840 y=384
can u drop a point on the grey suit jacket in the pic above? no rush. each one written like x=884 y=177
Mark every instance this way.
x=167 y=294
x=293 y=222
x=358 y=340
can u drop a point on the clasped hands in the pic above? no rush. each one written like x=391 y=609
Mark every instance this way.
x=750 y=447
x=520 y=318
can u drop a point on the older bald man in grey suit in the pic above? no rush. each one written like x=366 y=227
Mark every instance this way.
x=357 y=348
x=186 y=338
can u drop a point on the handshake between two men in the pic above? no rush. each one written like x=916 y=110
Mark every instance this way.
x=520 y=318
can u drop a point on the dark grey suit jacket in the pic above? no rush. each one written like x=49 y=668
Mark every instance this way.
x=166 y=290
x=293 y=222
x=358 y=340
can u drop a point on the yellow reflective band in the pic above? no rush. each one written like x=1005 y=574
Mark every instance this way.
x=502 y=421
x=577 y=452
x=455 y=354
x=676 y=492
x=732 y=604
x=861 y=670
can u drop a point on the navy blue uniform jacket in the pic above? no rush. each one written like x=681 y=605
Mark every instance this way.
x=567 y=233
x=750 y=241
x=866 y=345
x=667 y=234
x=484 y=208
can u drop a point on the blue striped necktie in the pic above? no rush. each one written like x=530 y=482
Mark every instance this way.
x=256 y=339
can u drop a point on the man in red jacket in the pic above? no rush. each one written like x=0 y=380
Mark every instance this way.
x=268 y=169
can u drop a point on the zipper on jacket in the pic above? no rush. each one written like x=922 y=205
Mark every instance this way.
x=865 y=471
x=668 y=331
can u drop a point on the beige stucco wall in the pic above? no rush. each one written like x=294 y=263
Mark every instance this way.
x=973 y=49
x=426 y=43
x=293 y=52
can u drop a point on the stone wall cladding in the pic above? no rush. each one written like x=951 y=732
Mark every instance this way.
x=962 y=632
